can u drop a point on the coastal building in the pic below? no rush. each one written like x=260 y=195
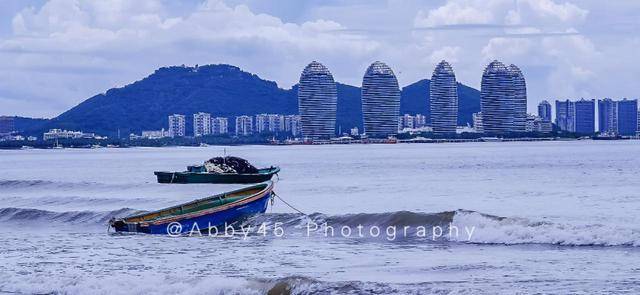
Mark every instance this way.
x=584 y=116
x=292 y=125
x=317 y=102
x=417 y=122
x=443 y=98
x=497 y=99
x=420 y=121
x=273 y=123
x=176 y=125
x=544 y=111
x=7 y=124
x=244 y=125
x=477 y=122
x=406 y=122
x=519 y=88
x=355 y=131
x=607 y=116
x=627 y=117
x=565 y=116
x=380 y=101
x=529 y=124
x=201 y=124
x=219 y=125
x=54 y=134
x=155 y=134
x=542 y=126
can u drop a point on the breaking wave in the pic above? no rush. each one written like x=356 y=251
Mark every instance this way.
x=37 y=216
x=159 y=284
x=487 y=229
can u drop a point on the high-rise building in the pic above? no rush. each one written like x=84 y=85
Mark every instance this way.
x=244 y=125
x=519 y=99
x=544 y=111
x=176 y=125
x=530 y=122
x=292 y=124
x=407 y=121
x=497 y=99
x=607 y=116
x=420 y=121
x=565 y=116
x=7 y=124
x=477 y=122
x=219 y=125
x=273 y=123
x=380 y=101
x=317 y=102
x=201 y=124
x=542 y=126
x=443 y=98
x=627 y=117
x=585 y=116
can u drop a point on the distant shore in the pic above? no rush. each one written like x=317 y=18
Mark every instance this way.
x=229 y=141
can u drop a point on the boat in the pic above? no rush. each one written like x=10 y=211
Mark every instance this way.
x=226 y=169
x=203 y=214
x=195 y=175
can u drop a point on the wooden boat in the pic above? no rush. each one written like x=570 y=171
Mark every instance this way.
x=200 y=214
x=195 y=176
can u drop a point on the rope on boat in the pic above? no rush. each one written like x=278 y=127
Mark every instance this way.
x=290 y=206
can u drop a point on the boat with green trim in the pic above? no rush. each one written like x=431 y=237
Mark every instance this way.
x=195 y=174
x=199 y=215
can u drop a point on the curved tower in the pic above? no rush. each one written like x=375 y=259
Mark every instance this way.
x=519 y=99
x=496 y=99
x=317 y=102
x=380 y=101
x=443 y=99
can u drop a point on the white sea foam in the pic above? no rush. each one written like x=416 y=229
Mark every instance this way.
x=509 y=231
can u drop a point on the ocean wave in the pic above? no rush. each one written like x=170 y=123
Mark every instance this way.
x=37 y=216
x=512 y=231
x=168 y=284
x=472 y=227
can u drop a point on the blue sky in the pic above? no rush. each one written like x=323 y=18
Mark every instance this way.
x=56 y=53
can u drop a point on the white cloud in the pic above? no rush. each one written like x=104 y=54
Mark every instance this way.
x=58 y=54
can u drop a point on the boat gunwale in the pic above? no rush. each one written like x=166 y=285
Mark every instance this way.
x=224 y=207
x=264 y=186
x=270 y=171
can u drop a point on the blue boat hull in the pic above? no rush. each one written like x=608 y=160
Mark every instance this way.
x=201 y=221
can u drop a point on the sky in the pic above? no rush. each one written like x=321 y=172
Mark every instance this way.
x=56 y=53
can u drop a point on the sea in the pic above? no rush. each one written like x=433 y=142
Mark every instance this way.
x=555 y=217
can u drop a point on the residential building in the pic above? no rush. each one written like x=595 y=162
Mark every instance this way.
x=497 y=102
x=607 y=116
x=627 y=117
x=219 y=125
x=292 y=125
x=244 y=125
x=380 y=101
x=176 y=125
x=585 y=116
x=443 y=96
x=544 y=111
x=201 y=124
x=317 y=102
x=519 y=103
x=477 y=122
x=155 y=134
x=565 y=116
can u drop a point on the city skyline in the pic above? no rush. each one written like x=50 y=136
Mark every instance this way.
x=565 y=47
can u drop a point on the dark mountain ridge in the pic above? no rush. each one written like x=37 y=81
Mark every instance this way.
x=223 y=91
